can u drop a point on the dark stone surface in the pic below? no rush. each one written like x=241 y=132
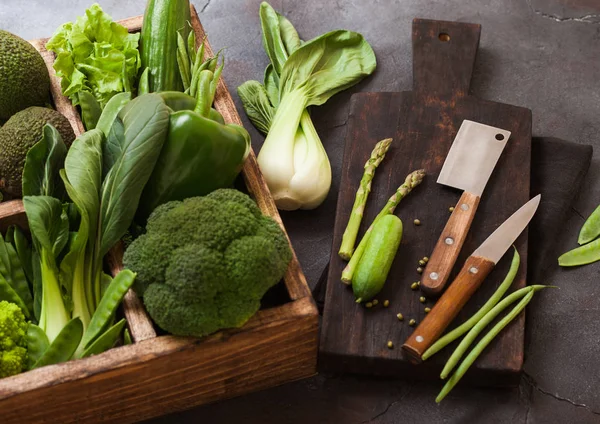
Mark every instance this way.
x=541 y=54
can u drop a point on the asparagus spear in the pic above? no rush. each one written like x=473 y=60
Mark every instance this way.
x=412 y=180
x=358 y=209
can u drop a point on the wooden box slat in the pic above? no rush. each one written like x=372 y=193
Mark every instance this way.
x=159 y=375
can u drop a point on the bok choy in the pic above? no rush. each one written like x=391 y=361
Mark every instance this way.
x=301 y=74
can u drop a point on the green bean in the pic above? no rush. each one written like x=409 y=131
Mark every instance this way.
x=37 y=344
x=591 y=228
x=90 y=109
x=183 y=61
x=105 y=341
x=10 y=295
x=144 y=83
x=480 y=326
x=191 y=47
x=64 y=345
x=486 y=340
x=108 y=305
x=492 y=301
x=196 y=70
x=583 y=255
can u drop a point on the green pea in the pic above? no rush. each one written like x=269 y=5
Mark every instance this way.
x=64 y=345
x=108 y=305
x=585 y=254
x=591 y=228
x=485 y=341
x=37 y=344
x=106 y=340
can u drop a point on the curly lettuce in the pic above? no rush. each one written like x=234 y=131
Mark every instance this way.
x=96 y=55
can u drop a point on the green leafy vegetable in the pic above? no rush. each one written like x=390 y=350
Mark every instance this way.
x=42 y=163
x=96 y=55
x=292 y=159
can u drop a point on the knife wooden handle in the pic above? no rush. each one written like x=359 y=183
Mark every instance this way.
x=448 y=306
x=449 y=244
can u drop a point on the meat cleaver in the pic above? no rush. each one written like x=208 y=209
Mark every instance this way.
x=468 y=166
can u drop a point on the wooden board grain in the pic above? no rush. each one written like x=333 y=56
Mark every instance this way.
x=423 y=124
x=159 y=375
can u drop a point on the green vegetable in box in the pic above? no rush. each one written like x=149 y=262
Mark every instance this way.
x=201 y=153
x=205 y=263
x=95 y=55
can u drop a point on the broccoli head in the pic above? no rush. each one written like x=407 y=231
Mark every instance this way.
x=13 y=339
x=205 y=263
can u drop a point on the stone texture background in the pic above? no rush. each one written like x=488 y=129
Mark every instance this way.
x=541 y=54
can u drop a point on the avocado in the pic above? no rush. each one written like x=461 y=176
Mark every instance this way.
x=24 y=79
x=18 y=135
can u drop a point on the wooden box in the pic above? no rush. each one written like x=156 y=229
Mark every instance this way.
x=157 y=375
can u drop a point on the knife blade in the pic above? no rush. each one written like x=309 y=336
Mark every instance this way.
x=468 y=166
x=476 y=268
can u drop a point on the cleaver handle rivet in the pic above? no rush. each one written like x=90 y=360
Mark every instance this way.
x=449 y=241
x=473 y=270
x=464 y=207
x=434 y=275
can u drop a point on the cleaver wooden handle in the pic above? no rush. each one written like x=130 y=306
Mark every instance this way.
x=449 y=244
x=448 y=306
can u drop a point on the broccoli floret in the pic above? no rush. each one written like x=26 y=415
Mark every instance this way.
x=205 y=263
x=13 y=340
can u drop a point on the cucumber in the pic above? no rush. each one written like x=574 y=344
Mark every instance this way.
x=158 y=45
x=374 y=265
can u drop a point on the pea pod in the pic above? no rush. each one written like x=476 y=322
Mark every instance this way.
x=15 y=276
x=64 y=345
x=111 y=110
x=37 y=344
x=376 y=261
x=591 y=228
x=583 y=255
x=127 y=337
x=106 y=340
x=24 y=251
x=90 y=109
x=108 y=305
x=10 y=295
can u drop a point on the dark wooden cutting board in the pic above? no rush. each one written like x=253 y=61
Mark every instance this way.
x=423 y=124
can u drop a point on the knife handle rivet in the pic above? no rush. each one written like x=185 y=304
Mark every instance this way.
x=449 y=241
x=464 y=207
x=434 y=276
x=419 y=339
x=473 y=270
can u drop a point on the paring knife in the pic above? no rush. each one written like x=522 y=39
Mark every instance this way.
x=468 y=166
x=476 y=268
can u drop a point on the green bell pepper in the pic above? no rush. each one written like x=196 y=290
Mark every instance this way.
x=201 y=153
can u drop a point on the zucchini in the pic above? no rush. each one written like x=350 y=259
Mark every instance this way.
x=158 y=45
x=375 y=263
